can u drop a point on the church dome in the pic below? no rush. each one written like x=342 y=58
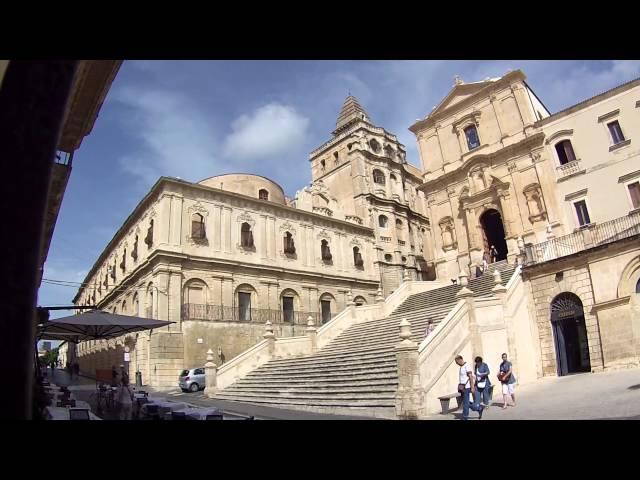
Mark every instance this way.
x=248 y=184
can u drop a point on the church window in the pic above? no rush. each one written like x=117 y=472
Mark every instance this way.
x=565 y=152
x=263 y=194
x=382 y=221
x=472 y=137
x=197 y=227
x=378 y=177
x=325 y=251
x=357 y=257
x=246 y=236
x=289 y=245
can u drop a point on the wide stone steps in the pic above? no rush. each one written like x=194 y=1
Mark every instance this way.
x=377 y=380
x=383 y=399
x=357 y=369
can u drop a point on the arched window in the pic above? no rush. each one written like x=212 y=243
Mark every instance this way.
x=398 y=223
x=472 y=137
x=124 y=307
x=375 y=146
x=123 y=263
x=378 y=177
x=564 y=149
x=357 y=257
x=325 y=251
x=263 y=194
x=382 y=221
x=638 y=286
x=246 y=235
x=388 y=257
x=336 y=157
x=197 y=227
x=322 y=165
x=289 y=245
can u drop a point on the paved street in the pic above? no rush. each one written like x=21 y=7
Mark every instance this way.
x=611 y=395
x=589 y=396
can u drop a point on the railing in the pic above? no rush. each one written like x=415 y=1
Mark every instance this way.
x=587 y=237
x=569 y=168
x=221 y=313
x=323 y=211
x=354 y=219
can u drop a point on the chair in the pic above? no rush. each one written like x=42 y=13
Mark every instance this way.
x=153 y=412
x=79 y=414
x=214 y=416
x=178 y=416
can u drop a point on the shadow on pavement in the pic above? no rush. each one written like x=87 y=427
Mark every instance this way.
x=634 y=387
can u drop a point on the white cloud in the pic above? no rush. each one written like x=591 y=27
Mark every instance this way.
x=270 y=130
x=175 y=136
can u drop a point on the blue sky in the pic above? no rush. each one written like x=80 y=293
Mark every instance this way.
x=195 y=119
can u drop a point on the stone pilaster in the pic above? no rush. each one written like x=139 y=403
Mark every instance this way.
x=211 y=371
x=410 y=397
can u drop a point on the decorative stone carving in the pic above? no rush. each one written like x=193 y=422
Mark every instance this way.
x=245 y=217
x=448 y=232
x=287 y=227
x=323 y=235
x=477 y=180
x=198 y=208
x=511 y=166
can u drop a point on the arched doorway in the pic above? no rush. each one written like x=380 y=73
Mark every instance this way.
x=570 y=334
x=493 y=232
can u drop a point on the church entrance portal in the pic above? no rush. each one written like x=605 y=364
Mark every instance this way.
x=493 y=233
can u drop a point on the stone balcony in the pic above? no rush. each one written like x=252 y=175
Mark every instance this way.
x=569 y=170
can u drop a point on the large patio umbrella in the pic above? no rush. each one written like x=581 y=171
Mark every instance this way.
x=95 y=325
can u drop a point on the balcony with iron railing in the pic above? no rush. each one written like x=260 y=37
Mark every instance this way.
x=589 y=236
x=220 y=313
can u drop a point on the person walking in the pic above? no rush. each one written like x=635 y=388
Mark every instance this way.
x=123 y=374
x=124 y=398
x=494 y=253
x=486 y=258
x=76 y=367
x=53 y=367
x=483 y=384
x=508 y=381
x=430 y=328
x=114 y=376
x=466 y=384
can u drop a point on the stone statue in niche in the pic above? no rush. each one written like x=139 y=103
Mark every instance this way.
x=536 y=208
x=448 y=233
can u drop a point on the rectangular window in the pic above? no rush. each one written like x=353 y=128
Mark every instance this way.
x=326 y=310
x=616 y=132
x=244 y=304
x=634 y=193
x=582 y=212
x=287 y=309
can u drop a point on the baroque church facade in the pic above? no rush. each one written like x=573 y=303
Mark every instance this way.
x=223 y=256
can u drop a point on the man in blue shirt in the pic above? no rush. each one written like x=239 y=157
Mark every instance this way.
x=508 y=381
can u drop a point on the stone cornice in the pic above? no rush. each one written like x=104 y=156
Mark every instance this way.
x=616 y=302
x=360 y=125
x=506 y=152
x=160 y=188
x=588 y=102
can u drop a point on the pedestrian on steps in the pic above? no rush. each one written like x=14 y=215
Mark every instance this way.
x=466 y=384
x=508 y=381
x=494 y=253
x=483 y=384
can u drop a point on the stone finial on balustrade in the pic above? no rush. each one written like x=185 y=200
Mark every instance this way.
x=405 y=329
x=268 y=330
x=350 y=302
x=499 y=289
x=497 y=278
x=379 y=296
x=211 y=374
x=463 y=278
x=312 y=333
x=520 y=243
x=406 y=277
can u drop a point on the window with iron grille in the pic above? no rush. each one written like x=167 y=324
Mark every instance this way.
x=263 y=194
x=378 y=177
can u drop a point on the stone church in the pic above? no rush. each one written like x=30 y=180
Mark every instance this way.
x=222 y=257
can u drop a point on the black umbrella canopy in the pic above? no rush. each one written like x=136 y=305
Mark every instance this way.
x=95 y=325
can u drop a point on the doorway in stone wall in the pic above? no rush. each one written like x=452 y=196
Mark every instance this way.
x=493 y=232
x=570 y=334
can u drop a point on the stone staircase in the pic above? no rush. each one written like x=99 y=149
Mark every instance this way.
x=357 y=371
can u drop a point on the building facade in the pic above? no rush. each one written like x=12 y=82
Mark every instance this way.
x=557 y=193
